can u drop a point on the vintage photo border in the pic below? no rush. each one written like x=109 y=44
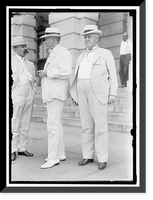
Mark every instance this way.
x=139 y=125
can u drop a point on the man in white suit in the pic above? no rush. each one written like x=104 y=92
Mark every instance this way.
x=23 y=92
x=93 y=87
x=55 y=90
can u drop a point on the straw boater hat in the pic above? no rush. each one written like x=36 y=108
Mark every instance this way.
x=18 y=40
x=49 y=32
x=89 y=29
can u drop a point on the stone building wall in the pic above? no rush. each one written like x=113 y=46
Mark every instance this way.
x=112 y=26
x=71 y=24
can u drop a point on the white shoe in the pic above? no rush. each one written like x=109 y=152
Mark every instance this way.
x=61 y=158
x=50 y=163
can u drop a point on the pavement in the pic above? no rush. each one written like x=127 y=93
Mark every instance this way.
x=119 y=165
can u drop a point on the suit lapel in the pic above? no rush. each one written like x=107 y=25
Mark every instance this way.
x=17 y=61
x=27 y=65
x=51 y=56
x=78 y=62
x=97 y=55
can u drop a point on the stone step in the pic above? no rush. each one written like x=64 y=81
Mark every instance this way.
x=112 y=126
x=116 y=108
x=111 y=108
x=121 y=93
x=116 y=117
x=118 y=101
x=75 y=109
x=119 y=113
x=39 y=89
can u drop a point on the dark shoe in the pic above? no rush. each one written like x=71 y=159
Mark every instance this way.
x=85 y=162
x=13 y=156
x=62 y=160
x=25 y=153
x=124 y=85
x=102 y=165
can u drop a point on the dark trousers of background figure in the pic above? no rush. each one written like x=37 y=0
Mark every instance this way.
x=124 y=68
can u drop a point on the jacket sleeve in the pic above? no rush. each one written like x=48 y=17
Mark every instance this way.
x=110 y=63
x=33 y=83
x=33 y=72
x=15 y=75
x=63 y=71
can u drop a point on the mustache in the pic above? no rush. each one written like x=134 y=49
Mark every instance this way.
x=25 y=51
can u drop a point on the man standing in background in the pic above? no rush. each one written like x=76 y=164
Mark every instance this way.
x=125 y=57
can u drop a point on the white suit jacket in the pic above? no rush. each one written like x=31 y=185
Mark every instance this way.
x=16 y=65
x=103 y=76
x=58 y=66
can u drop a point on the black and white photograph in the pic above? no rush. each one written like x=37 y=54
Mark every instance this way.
x=73 y=99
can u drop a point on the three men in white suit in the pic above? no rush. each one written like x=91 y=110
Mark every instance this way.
x=93 y=87
x=55 y=90
x=23 y=92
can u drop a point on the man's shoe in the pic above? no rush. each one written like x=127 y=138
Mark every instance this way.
x=85 y=162
x=13 y=156
x=102 y=165
x=124 y=85
x=25 y=153
x=50 y=163
x=61 y=158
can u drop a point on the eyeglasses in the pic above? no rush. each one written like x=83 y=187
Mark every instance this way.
x=24 y=46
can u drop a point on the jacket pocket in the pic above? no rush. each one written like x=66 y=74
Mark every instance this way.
x=99 y=69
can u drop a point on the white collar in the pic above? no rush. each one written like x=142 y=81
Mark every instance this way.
x=93 y=48
x=126 y=40
x=56 y=47
x=19 y=57
x=53 y=50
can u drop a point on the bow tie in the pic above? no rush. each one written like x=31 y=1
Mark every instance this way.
x=91 y=50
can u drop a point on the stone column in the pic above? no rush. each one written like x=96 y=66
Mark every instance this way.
x=113 y=25
x=71 y=25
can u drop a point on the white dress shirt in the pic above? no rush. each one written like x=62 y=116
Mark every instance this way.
x=86 y=64
x=23 y=74
x=126 y=47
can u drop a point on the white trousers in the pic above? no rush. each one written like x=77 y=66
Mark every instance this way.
x=22 y=111
x=55 y=129
x=94 y=135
